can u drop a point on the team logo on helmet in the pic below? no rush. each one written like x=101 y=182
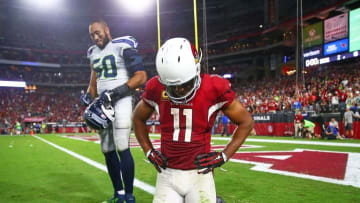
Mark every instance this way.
x=164 y=96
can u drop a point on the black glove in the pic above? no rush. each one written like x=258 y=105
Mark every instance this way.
x=109 y=97
x=207 y=162
x=85 y=99
x=157 y=159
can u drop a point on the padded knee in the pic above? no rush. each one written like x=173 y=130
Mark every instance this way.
x=107 y=140
x=121 y=138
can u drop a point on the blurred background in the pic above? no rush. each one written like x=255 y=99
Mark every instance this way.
x=280 y=55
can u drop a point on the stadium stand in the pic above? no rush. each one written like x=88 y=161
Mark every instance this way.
x=240 y=49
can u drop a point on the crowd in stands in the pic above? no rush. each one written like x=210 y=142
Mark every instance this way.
x=57 y=56
x=59 y=105
x=326 y=89
x=34 y=76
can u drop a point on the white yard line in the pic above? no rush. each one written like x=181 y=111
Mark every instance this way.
x=288 y=141
x=137 y=183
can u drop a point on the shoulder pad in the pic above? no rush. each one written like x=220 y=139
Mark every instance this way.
x=128 y=40
x=90 y=50
x=219 y=84
x=154 y=81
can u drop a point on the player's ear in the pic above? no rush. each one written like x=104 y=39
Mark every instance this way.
x=107 y=31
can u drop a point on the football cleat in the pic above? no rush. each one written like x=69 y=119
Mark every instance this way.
x=129 y=198
x=115 y=199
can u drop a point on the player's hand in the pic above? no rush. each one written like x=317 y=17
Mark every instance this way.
x=85 y=99
x=207 y=162
x=157 y=159
x=105 y=98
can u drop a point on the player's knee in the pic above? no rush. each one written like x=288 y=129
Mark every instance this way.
x=121 y=138
x=107 y=149
x=122 y=123
x=122 y=147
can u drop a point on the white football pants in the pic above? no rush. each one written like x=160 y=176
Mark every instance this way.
x=179 y=186
x=117 y=136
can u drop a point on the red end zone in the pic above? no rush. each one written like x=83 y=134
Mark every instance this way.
x=324 y=164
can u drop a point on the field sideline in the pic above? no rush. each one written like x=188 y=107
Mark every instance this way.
x=54 y=168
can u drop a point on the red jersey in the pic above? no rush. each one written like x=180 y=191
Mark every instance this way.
x=272 y=106
x=343 y=96
x=186 y=128
x=298 y=118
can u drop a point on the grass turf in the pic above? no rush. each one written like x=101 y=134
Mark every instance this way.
x=33 y=171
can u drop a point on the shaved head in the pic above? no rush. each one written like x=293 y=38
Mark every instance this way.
x=99 y=21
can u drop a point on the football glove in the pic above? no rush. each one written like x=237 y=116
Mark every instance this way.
x=157 y=159
x=109 y=97
x=207 y=162
x=85 y=99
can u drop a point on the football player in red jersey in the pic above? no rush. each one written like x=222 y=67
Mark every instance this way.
x=187 y=103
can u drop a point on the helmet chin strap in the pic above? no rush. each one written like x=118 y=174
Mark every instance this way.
x=200 y=56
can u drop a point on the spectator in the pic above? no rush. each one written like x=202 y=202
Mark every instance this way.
x=334 y=123
x=298 y=124
x=348 y=122
x=332 y=133
x=297 y=104
x=18 y=128
x=335 y=102
x=225 y=121
x=308 y=128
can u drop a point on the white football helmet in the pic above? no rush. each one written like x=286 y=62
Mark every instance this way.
x=178 y=65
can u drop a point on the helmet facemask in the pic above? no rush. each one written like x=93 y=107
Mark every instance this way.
x=183 y=93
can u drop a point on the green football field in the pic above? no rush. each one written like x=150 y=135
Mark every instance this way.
x=70 y=168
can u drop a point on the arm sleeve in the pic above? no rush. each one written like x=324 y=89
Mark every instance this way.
x=128 y=50
x=150 y=94
x=133 y=61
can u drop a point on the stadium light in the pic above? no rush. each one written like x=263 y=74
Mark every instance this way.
x=228 y=75
x=43 y=4
x=4 y=83
x=136 y=6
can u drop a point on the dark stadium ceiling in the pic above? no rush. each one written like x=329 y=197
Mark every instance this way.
x=232 y=9
x=226 y=17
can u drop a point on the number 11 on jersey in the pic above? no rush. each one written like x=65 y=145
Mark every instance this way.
x=175 y=112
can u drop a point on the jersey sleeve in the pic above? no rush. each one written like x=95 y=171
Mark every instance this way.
x=151 y=93
x=126 y=42
x=223 y=90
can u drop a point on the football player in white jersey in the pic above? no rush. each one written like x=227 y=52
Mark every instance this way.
x=116 y=69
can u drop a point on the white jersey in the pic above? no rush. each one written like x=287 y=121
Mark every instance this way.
x=109 y=63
